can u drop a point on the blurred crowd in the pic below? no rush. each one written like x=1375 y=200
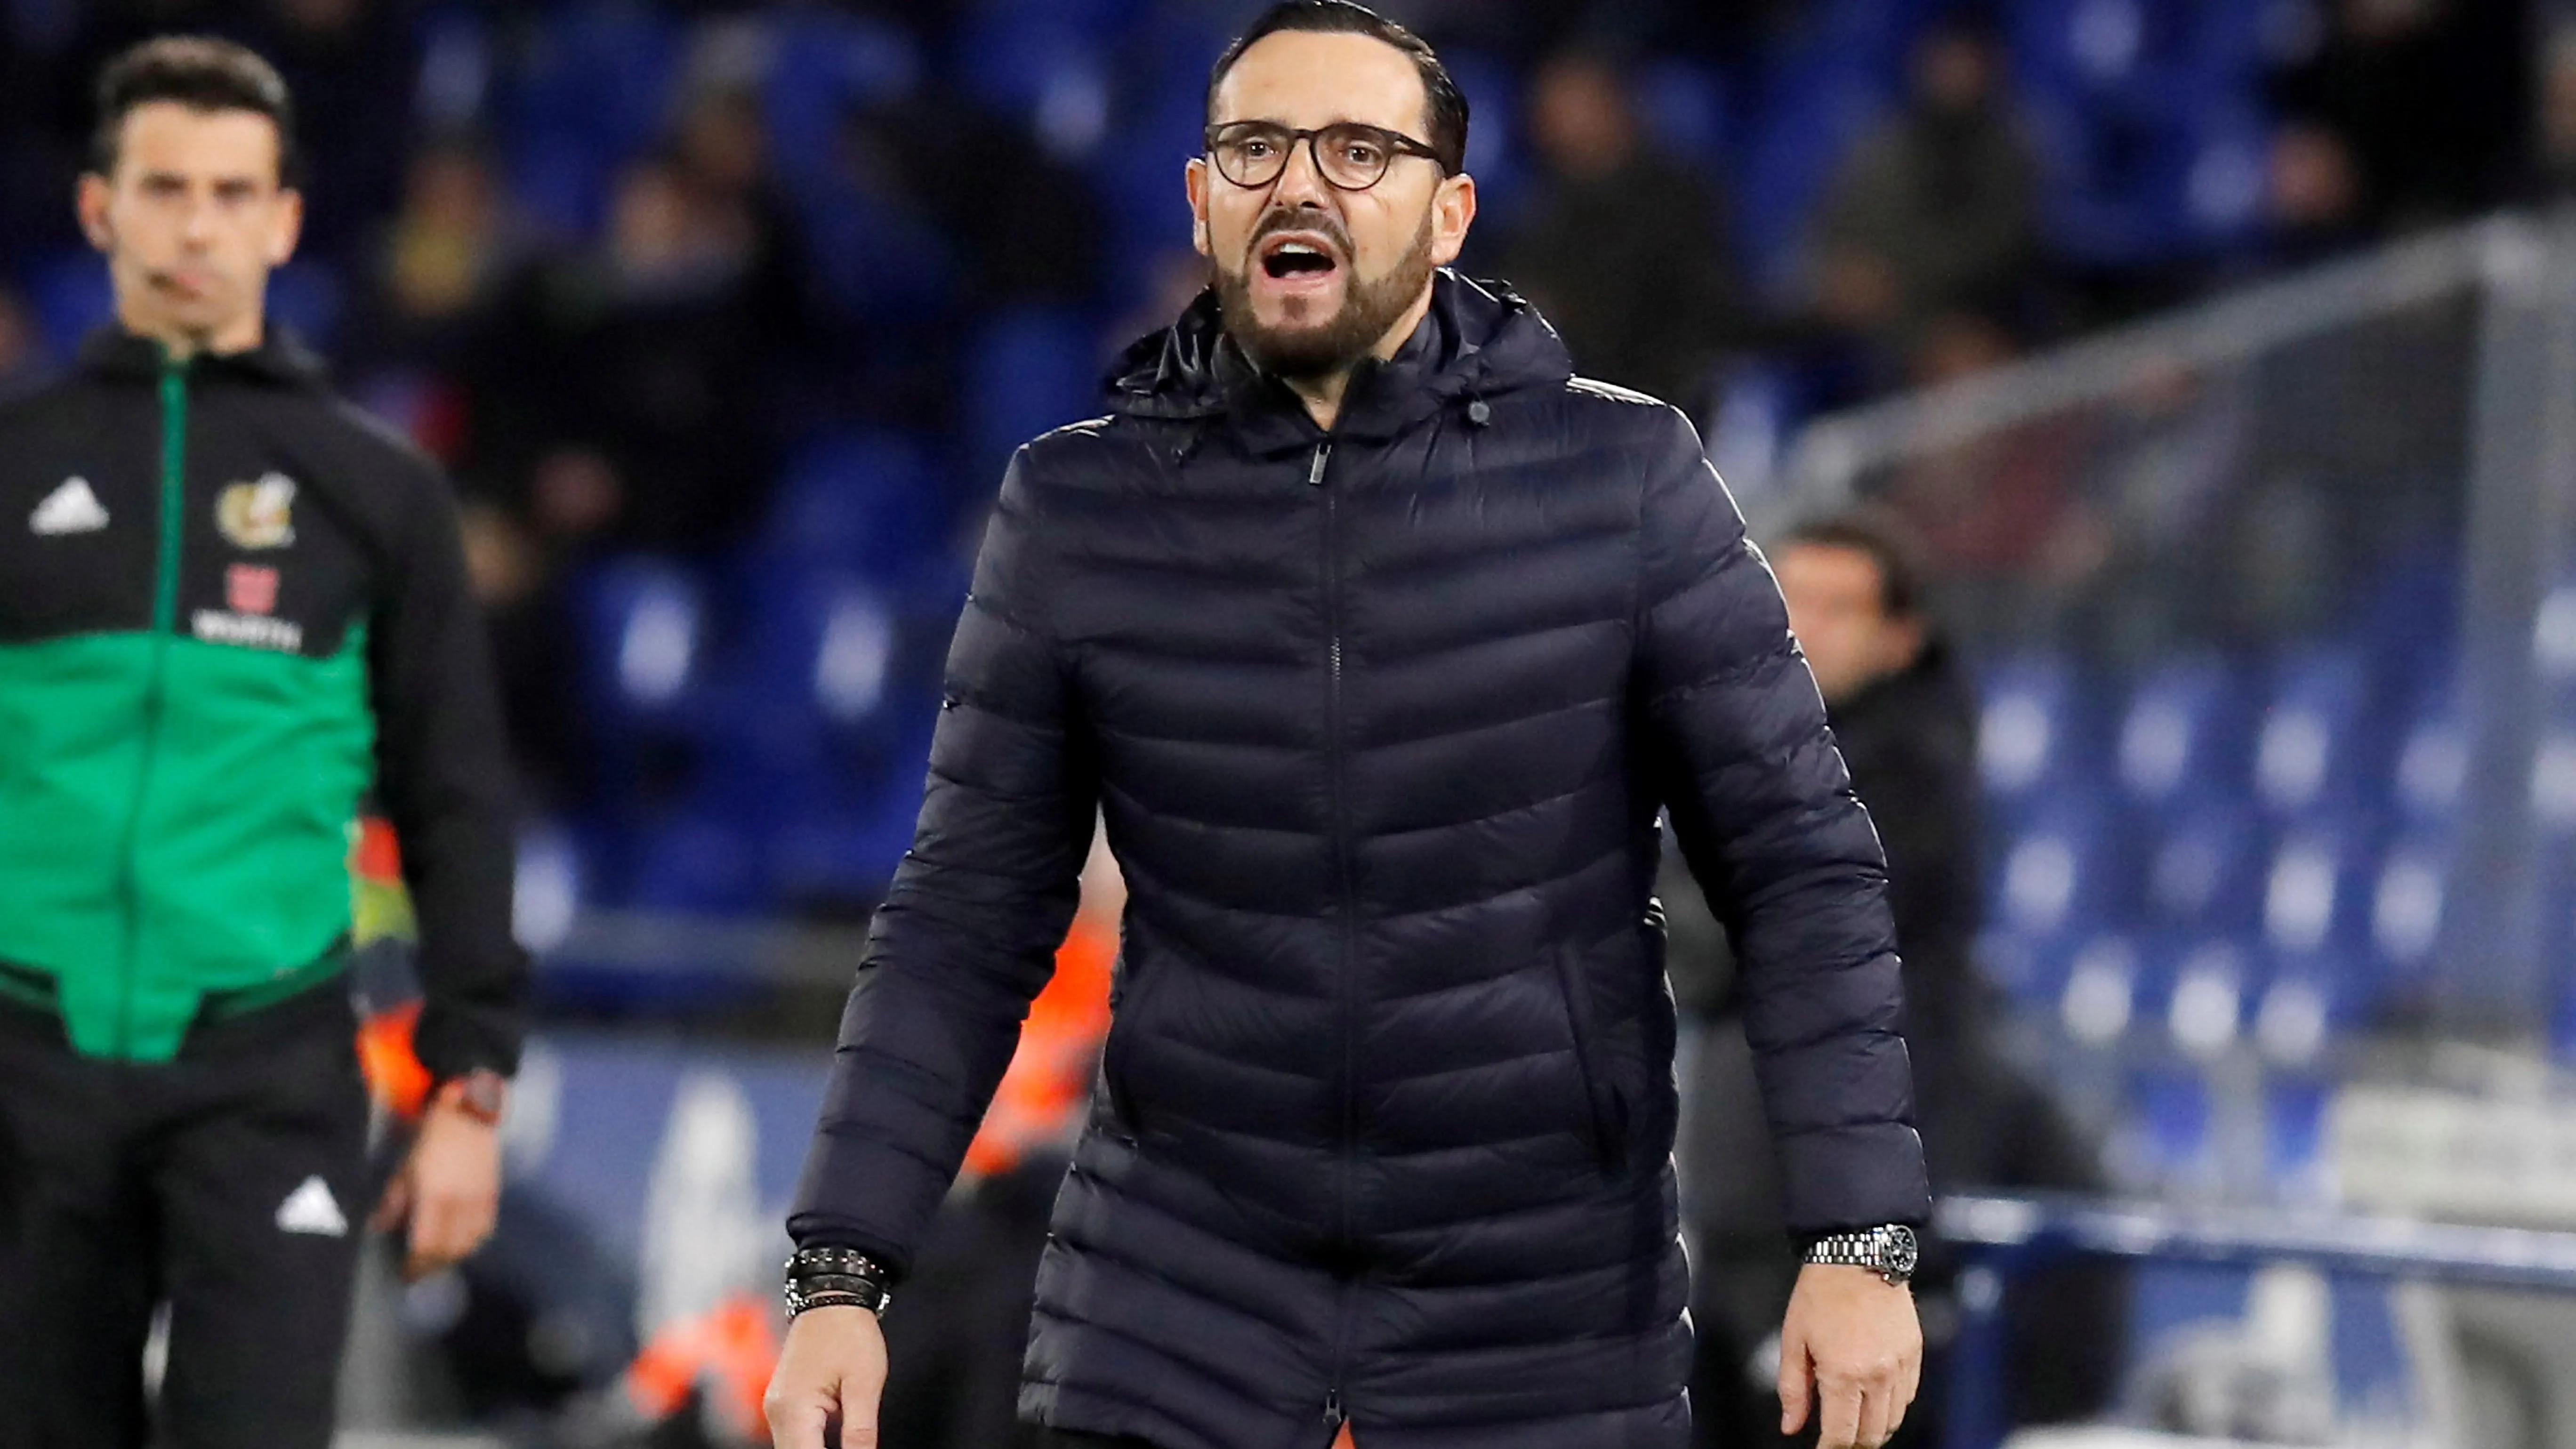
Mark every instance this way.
x=623 y=265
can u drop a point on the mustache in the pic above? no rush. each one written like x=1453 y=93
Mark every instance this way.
x=1300 y=218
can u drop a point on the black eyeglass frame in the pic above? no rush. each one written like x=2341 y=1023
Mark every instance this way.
x=1393 y=143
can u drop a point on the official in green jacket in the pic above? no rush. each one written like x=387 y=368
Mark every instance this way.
x=229 y=604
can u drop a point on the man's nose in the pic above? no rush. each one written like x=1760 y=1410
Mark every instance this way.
x=1300 y=181
x=197 y=221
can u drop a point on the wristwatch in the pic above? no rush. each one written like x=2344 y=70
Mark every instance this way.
x=1890 y=1251
x=479 y=1094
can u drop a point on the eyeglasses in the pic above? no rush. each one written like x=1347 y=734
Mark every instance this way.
x=1349 y=155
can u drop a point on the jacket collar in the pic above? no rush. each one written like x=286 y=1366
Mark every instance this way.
x=1478 y=340
x=280 y=359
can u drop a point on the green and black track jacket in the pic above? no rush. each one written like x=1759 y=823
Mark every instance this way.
x=228 y=604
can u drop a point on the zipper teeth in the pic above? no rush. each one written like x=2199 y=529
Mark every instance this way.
x=1334 y=1413
x=165 y=614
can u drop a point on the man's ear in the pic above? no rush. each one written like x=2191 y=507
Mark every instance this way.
x=1902 y=642
x=289 y=228
x=89 y=202
x=1453 y=211
x=1194 y=179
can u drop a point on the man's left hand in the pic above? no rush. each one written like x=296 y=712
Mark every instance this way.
x=448 y=1189
x=1852 y=1351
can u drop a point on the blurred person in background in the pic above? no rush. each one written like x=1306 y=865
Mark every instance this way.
x=2430 y=99
x=653 y=430
x=1378 y=639
x=233 y=604
x=2314 y=203
x=1622 y=247
x=2553 y=165
x=1903 y=714
x=519 y=588
x=22 y=348
x=1936 y=211
x=440 y=264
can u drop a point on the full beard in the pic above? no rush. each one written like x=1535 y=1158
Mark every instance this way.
x=1302 y=352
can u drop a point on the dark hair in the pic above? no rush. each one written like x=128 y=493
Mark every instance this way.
x=1444 y=106
x=201 y=73
x=1877 y=533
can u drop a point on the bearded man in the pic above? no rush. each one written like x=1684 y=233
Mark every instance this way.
x=1380 y=641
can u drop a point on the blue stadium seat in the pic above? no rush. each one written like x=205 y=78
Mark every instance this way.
x=2039 y=729
x=643 y=628
x=828 y=63
x=2409 y=616
x=1030 y=371
x=2294 y=1111
x=1493 y=91
x=821 y=644
x=1042 y=67
x=554 y=884
x=2098 y=993
x=843 y=848
x=2205 y=994
x=2064 y=874
x=2187 y=732
x=860 y=499
x=2206 y=876
x=876 y=262
x=1813 y=110
x=2409 y=903
x=1684 y=105
x=2307 y=1000
x=2172 y=1142
x=599 y=69
x=2553 y=650
x=592 y=90
x=2431 y=768
x=696 y=865
x=70 y=295
x=2316 y=749
x=308 y=296
x=2318 y=889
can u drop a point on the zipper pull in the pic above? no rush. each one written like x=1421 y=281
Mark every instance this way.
x=1333 y=1415
x=1315 y=474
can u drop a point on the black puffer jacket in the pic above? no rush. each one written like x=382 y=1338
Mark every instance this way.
x=1380 y=721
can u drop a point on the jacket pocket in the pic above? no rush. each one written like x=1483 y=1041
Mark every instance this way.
x=1605 y=1110
x=1126 y=1020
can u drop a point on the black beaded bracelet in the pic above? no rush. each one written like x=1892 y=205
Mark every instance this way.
x=836 y=1278
x=837 y=1260
x=871 y=1297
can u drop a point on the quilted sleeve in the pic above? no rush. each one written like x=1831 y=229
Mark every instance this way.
x=1766 y=817
x=969 y=929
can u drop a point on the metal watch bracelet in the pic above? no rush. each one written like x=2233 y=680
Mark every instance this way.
x=1890 y=1251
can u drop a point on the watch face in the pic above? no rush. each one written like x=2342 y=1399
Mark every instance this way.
x=1902 y=1251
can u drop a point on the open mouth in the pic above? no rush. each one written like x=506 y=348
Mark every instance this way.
x=1287 y=258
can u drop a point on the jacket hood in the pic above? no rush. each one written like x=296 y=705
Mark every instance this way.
x=1480 y=339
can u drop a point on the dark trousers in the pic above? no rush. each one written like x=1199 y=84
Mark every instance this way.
x=226 y=1185
x=1069 y=1439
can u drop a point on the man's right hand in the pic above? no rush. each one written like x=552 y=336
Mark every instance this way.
x=830 y=1375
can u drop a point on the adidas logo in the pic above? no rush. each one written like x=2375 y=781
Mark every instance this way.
x=72 y=508
x=312 y=1209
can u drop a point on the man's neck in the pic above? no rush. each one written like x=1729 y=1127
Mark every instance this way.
x=183 y=343
x=1323 y=394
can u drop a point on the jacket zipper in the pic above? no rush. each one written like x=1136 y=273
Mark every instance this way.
x=1315 y=478
x=1341 y=834
x=1335 y=1413
x=165 y=619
